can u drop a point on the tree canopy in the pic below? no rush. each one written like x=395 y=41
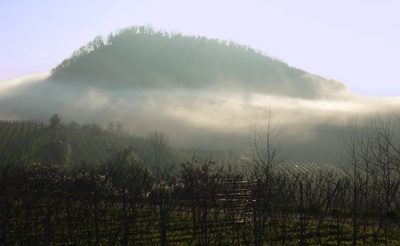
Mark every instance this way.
x=145 y=58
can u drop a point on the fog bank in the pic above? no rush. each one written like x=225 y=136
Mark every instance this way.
x=215 y=118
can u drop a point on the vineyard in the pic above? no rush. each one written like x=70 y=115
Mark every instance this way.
x=109 y=193
x=22 y=142
x=19 y=141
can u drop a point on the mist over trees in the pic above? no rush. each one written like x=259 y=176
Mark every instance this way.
x=319 y=167
x=200 y=92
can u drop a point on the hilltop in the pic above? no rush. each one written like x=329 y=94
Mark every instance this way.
x=140 y=57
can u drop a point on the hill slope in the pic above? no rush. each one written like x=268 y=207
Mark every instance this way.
x=199 y=92
x=24 y=142
x=140 y=57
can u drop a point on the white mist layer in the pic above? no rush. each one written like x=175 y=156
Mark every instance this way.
x=219 y=118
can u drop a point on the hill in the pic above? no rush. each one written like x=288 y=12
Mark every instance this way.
x=139 y=57
x=202 y=93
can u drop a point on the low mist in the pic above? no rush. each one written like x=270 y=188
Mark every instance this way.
x=209 y=118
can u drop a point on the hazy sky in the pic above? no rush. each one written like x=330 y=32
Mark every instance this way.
x=356 y=42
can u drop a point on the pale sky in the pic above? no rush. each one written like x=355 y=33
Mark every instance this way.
x=353 y=41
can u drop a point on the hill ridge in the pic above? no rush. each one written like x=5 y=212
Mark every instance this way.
x=141 y=57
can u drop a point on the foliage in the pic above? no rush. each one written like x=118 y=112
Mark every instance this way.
x=57 y=150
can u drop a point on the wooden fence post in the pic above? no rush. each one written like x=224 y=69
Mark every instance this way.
x=386 y=210
x=355 y=214
x=96 y=219
x=162 y=221
x=5 y=221
x=255 y=223
x=124 y=218
x=301 y=215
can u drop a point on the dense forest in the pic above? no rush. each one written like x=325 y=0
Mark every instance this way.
x=141 y=57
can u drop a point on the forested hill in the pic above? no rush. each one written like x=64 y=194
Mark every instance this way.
x=139 y=57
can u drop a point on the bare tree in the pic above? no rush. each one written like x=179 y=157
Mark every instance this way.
x=119 y=129
x=265 y=154
x=159 y=145
x=373 y=155
x=265 y=149
x=116 y=128
x=110 y=127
